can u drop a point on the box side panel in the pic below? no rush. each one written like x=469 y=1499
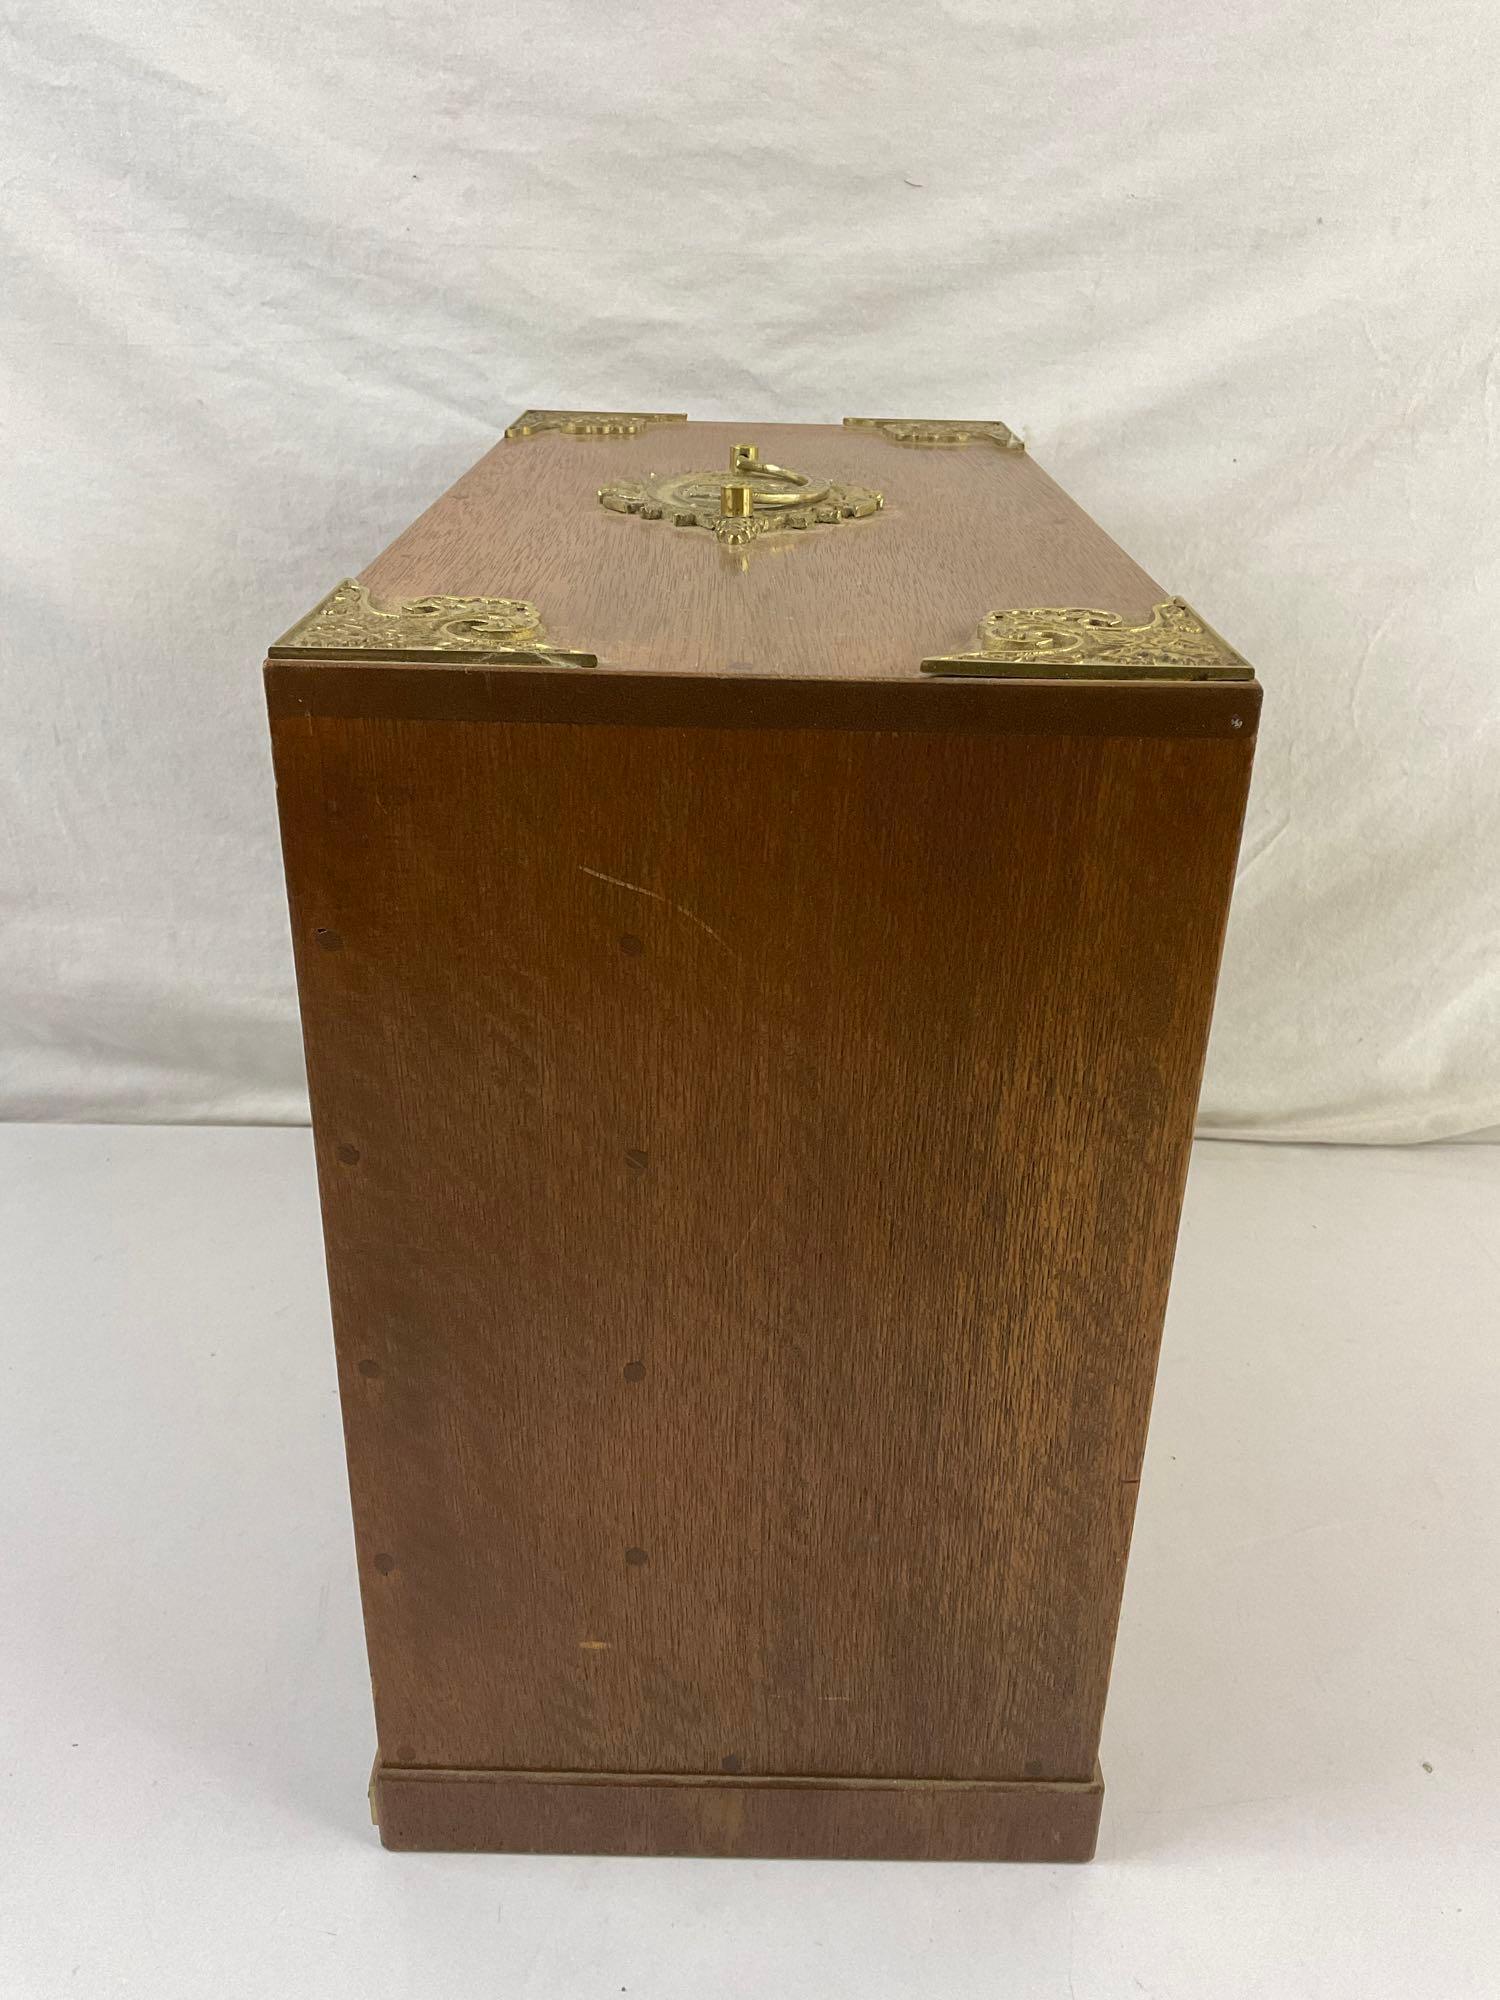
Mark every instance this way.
x=751 y=1166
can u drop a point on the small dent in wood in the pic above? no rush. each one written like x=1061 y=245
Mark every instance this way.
x=347 y=1155
x=636 y=1557
x=385 y=1564
x=631 y=945
x=329 y=940
x=634 y=1371
x=635 y=1159
x=370 y=1368
x=732 y=1764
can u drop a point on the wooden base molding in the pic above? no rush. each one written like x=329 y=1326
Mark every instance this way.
x=865 y=1819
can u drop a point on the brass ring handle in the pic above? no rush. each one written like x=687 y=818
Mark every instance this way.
x=746 y=459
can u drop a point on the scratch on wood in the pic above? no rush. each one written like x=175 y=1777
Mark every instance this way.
x=618 y=882
x=593 y=1645
x=656 y=896
x=745 y=1239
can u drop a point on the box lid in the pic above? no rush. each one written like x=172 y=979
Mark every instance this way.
x=881 y=551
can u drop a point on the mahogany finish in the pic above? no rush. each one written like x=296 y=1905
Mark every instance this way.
x=751 y=1122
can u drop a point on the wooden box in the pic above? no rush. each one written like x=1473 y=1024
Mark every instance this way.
x=757 y=894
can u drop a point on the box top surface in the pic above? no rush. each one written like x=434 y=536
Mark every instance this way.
x=902 y=546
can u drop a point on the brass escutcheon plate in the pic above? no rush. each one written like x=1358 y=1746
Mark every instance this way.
x=750 y=497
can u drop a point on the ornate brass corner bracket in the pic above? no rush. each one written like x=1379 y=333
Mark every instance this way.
x=749 y=498
x=939 y=430
x=590 y=423
x=505 y=630
x=1075 y=644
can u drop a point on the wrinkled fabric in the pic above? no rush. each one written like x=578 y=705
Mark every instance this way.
x=275 y=275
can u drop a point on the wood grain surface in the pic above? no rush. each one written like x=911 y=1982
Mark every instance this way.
x=966 y=529
x=751 y=1163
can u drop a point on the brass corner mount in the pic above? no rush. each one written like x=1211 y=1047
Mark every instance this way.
x=750 y=497
x=506 y=631
x=590 y=423
x=940 y=430
x=1074 y=643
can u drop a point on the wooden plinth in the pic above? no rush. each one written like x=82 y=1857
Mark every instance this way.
x=854 y=1819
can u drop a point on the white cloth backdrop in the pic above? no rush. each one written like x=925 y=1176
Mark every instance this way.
x=275 y=274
